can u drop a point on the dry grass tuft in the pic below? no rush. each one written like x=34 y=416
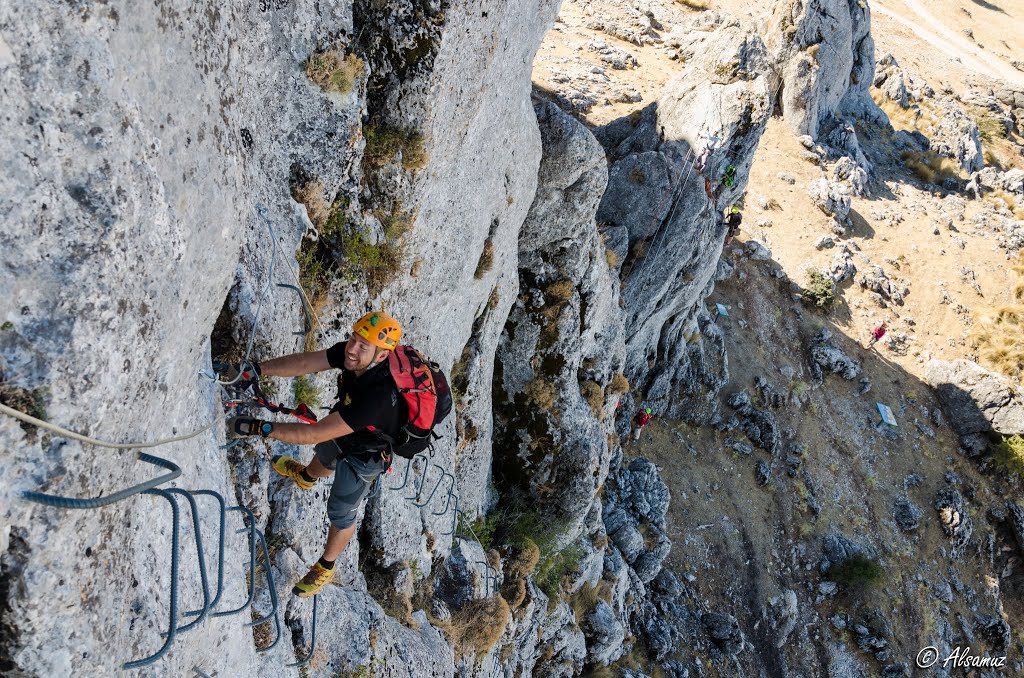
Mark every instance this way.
x=584 y=600
x=486 y=261
x=999 y=334
x=332 y=72
x=1003 y=199
x=305 y=391
x=619 y=384
x=922 y=117
x=311 y=195
x=525 y=558
x=930 y=167
x=1000 y=339
x=383 y=143
x=990 y=127
x=316 y=270
x=560 y=292
x=541 y=393
x=594 y=395
x=478 y=626
x=611 y=257
x=1008 y=453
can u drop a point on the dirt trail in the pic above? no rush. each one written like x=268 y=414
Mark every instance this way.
x=945 y=40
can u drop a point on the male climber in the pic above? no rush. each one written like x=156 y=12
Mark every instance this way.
x=349 y=441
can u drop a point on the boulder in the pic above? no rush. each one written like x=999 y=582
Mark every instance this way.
x=976 y=400
x=906 y=514
x=724 y=631
x=956 y=521
x=604 y=633
x=757 y=251
x=993 y=179
x=831 y=197
x=956 y=136
x=853 y=173
x=828 y=61
x=833 y=359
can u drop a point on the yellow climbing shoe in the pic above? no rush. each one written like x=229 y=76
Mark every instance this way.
x=290 y=468
x=315 y=579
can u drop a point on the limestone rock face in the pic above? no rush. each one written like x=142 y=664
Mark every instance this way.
x=562 y=343
x=976 y=400
x=135 y=151
x=826 y=56
x=484 y=150
x=956 y=136
x=663 y=212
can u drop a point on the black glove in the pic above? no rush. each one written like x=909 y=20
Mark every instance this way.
x=240 y=427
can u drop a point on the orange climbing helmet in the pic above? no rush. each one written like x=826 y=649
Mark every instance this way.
x=379 y=329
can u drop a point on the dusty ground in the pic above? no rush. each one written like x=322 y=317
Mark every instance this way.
x=741 y=545
x=935 y=266
x=894 y=229
x=933 y=38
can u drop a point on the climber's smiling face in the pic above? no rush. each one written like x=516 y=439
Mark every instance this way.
x=361 y=355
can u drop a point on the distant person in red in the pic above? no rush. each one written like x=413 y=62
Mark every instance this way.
x=877 y=334
x=640 y=420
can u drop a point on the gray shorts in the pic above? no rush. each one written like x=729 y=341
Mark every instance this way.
x=352 y=480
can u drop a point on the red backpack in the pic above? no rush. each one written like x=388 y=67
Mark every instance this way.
x=427 y=397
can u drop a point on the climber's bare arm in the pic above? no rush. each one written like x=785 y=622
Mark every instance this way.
x=331 y=426
x=295 y=364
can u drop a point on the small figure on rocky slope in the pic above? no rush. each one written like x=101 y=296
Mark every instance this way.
x=640 y=420
x=733 y=219
x=350 y=441
x=876 y=334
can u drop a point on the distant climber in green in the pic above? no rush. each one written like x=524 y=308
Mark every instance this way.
x=352 y=442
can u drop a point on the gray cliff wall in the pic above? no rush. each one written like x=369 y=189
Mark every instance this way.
x=825 y=56
x=669 y=239
x=562 y=344
x=137 y=147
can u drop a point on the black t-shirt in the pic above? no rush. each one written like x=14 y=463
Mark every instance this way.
x=733 y=221
x=369 y=400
